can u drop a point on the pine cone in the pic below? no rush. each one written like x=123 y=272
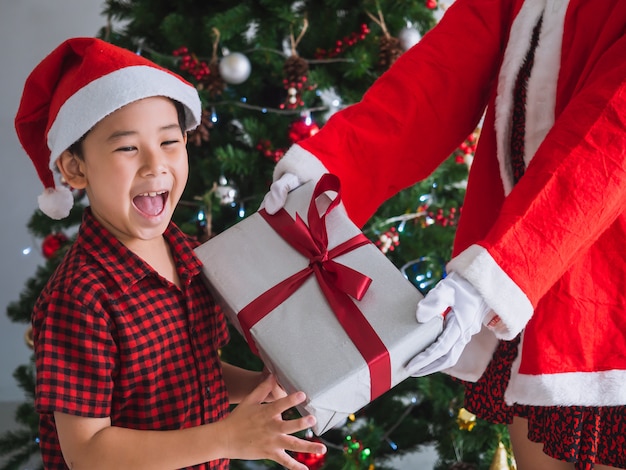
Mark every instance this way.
x=389 y=51
x=295 y=68
x=201 y=133
x=213 y=83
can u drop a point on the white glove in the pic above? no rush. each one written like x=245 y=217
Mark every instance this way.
x=466 y=312
x=296 y=168
x=275 y=199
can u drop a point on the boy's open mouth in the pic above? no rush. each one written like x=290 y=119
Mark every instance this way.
x=151 y=203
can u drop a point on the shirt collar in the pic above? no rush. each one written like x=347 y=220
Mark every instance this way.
x=125 y=267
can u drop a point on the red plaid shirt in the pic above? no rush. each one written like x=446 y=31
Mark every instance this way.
x=113 y=338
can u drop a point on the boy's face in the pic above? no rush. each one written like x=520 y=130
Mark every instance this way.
x=135 y=169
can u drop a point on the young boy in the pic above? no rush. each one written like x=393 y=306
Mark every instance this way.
x=126 y=334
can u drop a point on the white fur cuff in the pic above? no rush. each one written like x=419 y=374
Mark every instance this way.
x=301 y=163
x=497 y=289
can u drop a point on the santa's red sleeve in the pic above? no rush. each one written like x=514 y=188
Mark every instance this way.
x=414 y=115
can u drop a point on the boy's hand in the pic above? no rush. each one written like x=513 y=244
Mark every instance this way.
x=256 y=430
x=277 y=391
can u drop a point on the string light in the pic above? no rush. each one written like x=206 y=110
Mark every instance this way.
x=201 y=216
x=392 y=444
x=242 y=103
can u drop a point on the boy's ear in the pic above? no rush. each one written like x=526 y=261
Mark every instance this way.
x=71 y=168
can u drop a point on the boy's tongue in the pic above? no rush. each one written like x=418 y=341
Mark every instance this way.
x=151 y=205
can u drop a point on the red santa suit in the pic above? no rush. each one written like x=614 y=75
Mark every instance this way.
x=548 y=254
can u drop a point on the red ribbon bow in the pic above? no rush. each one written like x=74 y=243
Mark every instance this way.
x=337 y=281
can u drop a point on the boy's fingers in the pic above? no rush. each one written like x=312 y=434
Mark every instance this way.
x=301 y=445
x=261 y=391
x=288 y=462
x=283 y=404
x=298 y=445
x=292 y=426
x=278 y=392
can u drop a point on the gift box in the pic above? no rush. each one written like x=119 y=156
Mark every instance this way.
x=322 y=306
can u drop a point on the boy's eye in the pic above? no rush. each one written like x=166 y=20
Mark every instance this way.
x=170 y=142
x=125 y=149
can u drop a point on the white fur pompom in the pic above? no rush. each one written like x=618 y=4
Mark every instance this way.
x=56 y=203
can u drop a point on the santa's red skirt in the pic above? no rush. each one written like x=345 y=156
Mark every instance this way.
x=581 y=434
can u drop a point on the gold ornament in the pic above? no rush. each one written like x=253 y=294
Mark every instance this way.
x=466 y=420
x=28 y=338
x=500 y=459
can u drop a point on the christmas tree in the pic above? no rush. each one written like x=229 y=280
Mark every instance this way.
x=270 y=73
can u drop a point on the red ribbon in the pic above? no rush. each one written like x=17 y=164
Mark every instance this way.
x=337 y=281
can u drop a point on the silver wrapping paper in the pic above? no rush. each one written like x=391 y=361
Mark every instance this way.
x=301 y=342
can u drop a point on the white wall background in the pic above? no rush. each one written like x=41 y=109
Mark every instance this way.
x=29 y=30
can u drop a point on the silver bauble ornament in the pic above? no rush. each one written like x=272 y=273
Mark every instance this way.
x=235 y=68
x=226 y=191
x=409 y=36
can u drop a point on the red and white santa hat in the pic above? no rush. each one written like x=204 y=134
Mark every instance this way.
x=77 y=85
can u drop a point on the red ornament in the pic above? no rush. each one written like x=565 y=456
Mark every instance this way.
x=53 y=243
x=265 y=147
x=343 y=44
x=464 y=154
x=191 y=64
x=313 y=461
x=431 y=4
x=299 y=130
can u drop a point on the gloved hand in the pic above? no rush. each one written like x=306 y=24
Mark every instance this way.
x=464 y=312
x=297 y=167
x=275 y=199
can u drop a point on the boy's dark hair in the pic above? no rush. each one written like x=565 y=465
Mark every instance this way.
x=77 y=147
